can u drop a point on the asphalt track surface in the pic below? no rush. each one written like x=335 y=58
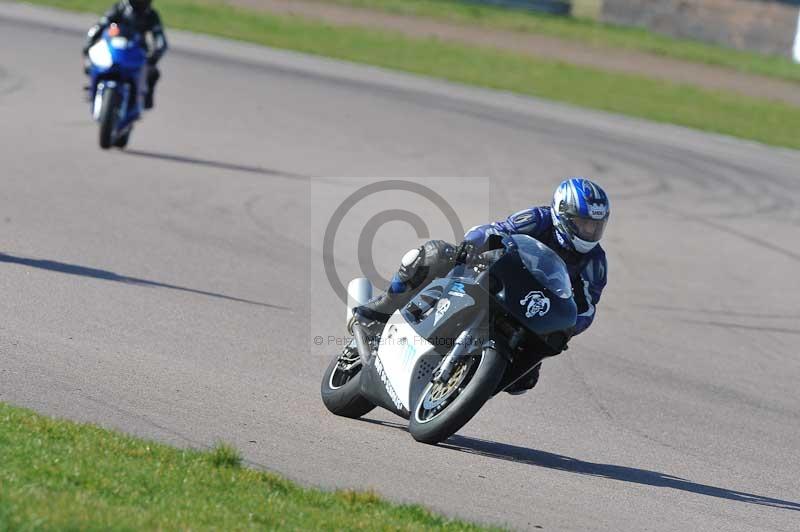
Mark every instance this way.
x=163 y=291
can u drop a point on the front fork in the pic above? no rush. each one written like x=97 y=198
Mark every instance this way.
x=465 y=344
x=97 y=104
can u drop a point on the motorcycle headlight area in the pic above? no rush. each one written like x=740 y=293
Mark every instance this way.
x=119 y=43
x=100 y=55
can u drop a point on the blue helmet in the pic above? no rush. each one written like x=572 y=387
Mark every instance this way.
x=580 y=212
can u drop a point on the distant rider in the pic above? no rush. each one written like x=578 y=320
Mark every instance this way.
x=142 y=18
x=572 y=226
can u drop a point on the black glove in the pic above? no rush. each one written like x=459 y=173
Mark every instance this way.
x=465 y=252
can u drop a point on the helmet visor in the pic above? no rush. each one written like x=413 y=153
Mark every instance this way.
x=140 y=6
x=588 y=229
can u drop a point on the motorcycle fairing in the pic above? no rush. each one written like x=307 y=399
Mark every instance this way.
x=395 y=376
x=441 y=311
x=561 y=313
x=421 y=334
x=468 y=294
x=121 y=67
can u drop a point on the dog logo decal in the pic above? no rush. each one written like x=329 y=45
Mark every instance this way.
x=441 y=309
x=538 y=304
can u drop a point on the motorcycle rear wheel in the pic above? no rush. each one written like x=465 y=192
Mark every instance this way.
x=341 y=391
x=108 y=117
x=443 y=408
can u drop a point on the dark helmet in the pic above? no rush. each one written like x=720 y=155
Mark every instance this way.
x=580 y=212
x=140 y=6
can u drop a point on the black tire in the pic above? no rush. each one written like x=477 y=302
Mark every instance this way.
x=551 y=7
x=475 y=390
x=122 y=140
x=344 y=400
x=108 y=117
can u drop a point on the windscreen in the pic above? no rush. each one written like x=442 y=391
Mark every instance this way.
x=544 y=265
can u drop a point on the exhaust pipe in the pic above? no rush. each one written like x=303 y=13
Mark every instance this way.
x=359 y=292
x=362 y=343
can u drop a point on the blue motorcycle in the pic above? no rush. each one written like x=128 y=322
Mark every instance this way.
x=117 y=83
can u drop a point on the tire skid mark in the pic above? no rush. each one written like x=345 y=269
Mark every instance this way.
x=739 y=234
x=725 y=312
x=71 y=388
x=744 y=327
x=699 y=167
x=9 y=83
x=606 y=412
x=598 y=404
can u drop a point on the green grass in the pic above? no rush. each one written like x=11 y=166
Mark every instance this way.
x=746 y=117
x=58 y=475
x=587 y=31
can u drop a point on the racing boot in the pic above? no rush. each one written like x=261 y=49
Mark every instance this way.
x=417 y=268
x=379 y=309
x=526 y=383
x=153 y=75
x=376 y=312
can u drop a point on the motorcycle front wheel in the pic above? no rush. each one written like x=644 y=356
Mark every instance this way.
x=108 y=117
x=443 y=408
x=122 y=140
x=341 y=387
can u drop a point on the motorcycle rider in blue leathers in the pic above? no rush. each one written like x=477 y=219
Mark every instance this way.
x=572 y=226
x=141 y=17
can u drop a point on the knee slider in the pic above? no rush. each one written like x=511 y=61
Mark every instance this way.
x=420 y=265
x=410 y=265
x=410 y=257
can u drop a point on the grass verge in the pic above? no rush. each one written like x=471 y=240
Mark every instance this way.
x=587 y=31
x=765 y=121
x=58 y=475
